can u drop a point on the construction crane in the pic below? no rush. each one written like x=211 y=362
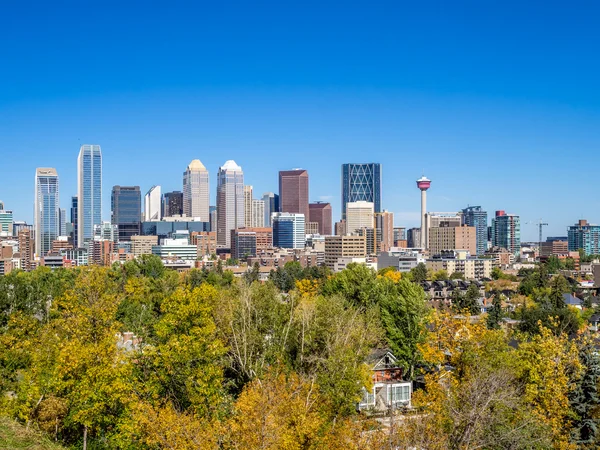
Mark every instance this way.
x=541 y=224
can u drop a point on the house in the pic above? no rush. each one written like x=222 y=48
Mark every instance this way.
x=389 y=389
x=571 y=300
x=594 y=321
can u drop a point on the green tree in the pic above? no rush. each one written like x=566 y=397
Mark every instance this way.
x=472 y=297
x=419 y=273
x=357 y=283
x=584 y=399
x=457 y=276
x=495 y=315
x=553 y=264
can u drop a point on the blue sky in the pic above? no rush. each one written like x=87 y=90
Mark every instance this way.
x=496 y=101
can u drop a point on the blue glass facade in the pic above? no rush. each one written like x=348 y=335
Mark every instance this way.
x=165 y=229
x=89 y=191
x=47 y=225
x=126 y=210
x=361 y=182
x=584 y=236
x=474 y=216
x=283 y=233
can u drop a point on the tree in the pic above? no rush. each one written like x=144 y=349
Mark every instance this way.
x=472 y=297
x=440 y=275
x=419 y=273
x=495 y=315
x=457 y=276
x=357 y=283
x=252 y=275
x=553 y=264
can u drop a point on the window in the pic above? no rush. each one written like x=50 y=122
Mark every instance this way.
x=400 y=393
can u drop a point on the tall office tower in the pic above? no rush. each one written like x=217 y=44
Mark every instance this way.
x=106 y=231
x=293 y=192
x=126 y=210
x=320 y=213
x=359 y=215
x=152 y=205
x=423 y=184
x=288 y=230
x=25 y=248
x=213 y=219
x=46 y=209
x=258 y=214
x=399 y=234
x=584 y=236
x=172 y=204
x=89 y=191
x=506 y=229
x=6 y=221
x=196 y=191
x=413 y=237
x=248 y=206
x=62 y=222
x=361 y=182
x=74 y=221
x=271 y=205
x=474 y=216
x=230 y=202
x=384 y=231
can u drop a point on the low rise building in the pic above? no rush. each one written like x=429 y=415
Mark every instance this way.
x=142 y=245
x=343 y=246
x=472 y=268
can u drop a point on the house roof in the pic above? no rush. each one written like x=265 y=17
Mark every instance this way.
x=570 y=299
x=381 y=358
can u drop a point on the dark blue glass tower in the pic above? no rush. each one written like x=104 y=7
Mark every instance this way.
x=361 y=182
x=126 y=210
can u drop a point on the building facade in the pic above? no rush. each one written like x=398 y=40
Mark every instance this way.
x=243 y=244
x=47 y=201
x=89 y=191
x=230 y=202
x=142 y=245
x=172 y=204
x=293 y=192
x=474 y=216
x=452 y=238
x=196 y=191
x=359 y=214
x=126 y=210
x=6 y=221
x=271 y=202
x=289 y=230
x=74 y=221
x=585 y=236
x=361 y=182
x=506 y=232
x=384 y=231
x=153 y=204
x=337 y=247
x=248 y=206
x=258 y=214
x=321 y=213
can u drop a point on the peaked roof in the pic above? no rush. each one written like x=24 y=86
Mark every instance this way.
x=230 y=165
x=196 y=164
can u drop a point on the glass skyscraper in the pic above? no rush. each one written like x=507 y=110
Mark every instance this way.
x=46 y=210
x=230 y=202
x=74 y=221
x=126 y=210
x=89 y=191
x=474 y=216
x=506 y=232
x=361 y=182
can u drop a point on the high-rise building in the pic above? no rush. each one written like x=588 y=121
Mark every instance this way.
x=248 y=206
x=196 y=191
x=74 y=221
x=62 y=222
x=106 y=231
x=359 y=214
x=89 y=191
x=271 y=206
x=258 y=214
x=361 y=182
x=213 y=219
x=142 y=245
x=288 y=230
x=293 y=192
x=230 y=202
x=413 y=238
x=172 y=204
x=452 y=237
x=46 y=209
x=384 y=231
x=243 y=244
x=474 y=216
x=152 y=204
x=399 y=235
x=585 y=236
x=423 y=184
x=440 y=219
x=126 y=210
x=342 y=247
x=340 y=228
x=506 y=232
x=321 y=213
x=6 y=221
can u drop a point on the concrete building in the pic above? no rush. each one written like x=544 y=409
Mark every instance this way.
x=106 y=231
x=258 y=214
x=213 y=218
x=100 y=251
x=6 y=221
x=172 y=204
x=340 y=228
x=205 y=241
x=230 y=202
x=196 y=191
x=74 y=219
x=142 y=245
x=554 y=248
x=177 y=248
x=321 y=213
x=370 y=239
x=423 y=184
x=384 y=231
x=46 y=220
x=243 y=244
x=26 y=248
x=471 y=268
x=153 y=204
x=312 y=228
x=126 y=210
x=248 y=206
x=438 y=219
x=271 y=202
x=359 y=215
x=169 y=225
x=361 y=182
x=77 y=257
x=413 y=238
x=475 y=216
x=89 y=191
x=343 y=263
x=403 y=261
x=585 y=236
x=506 y=232
x=293 y=192
x=501 y=257
x=344 y=246
x=289 y=230
x=452 y=237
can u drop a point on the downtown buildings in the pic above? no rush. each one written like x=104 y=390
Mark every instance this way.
x=584 y=236
x=361 y=182
x=125 y=206
x=506 y=232
x=196 y=191
x=89 y=191
x=230 y=201
x=47 y=204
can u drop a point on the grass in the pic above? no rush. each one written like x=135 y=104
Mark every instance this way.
x=15 y=436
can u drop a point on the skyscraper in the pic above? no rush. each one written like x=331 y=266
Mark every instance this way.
x=506 y=231
x=46 y=209
x=89 y=191
x=74 y=221
x=271 y=206
x=359 y=215
x=288 y=230
x=584 y=236
x=248 y=206
x=6 y=221
x=230 y=202
x=196 y=191
x=293 y=192
x=321 y=213
x=361 y=182
x=62 y=222
x=258 y=214
x=474 y=216
x=152 y=204
x=172 y=204
x=384 y=231
x=126 y=210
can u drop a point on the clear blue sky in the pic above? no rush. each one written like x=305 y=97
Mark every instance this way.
x=496 y=101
